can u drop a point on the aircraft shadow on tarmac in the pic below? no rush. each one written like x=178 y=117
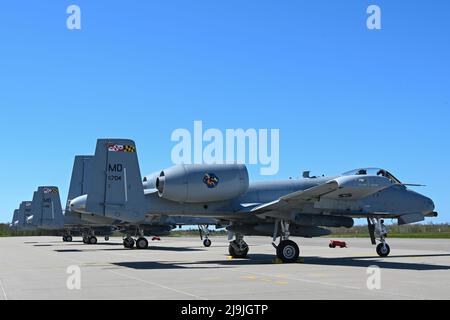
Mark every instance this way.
x=265 y=259
x=153 y=265
x=171 y=249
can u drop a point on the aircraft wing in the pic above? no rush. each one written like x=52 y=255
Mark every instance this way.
x=299 y=197
x=345 y=188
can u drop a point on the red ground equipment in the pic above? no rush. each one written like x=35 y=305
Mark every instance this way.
x=340 y=244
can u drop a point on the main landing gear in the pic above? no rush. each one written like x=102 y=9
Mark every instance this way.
x=287 y=250
x=141 y=242
x=238 y=248
x=67 y=238
x=89 y=238
x=204 y=235
x=378 y=231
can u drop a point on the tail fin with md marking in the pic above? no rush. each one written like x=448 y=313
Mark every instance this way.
x=114 y=187
x=46 y=209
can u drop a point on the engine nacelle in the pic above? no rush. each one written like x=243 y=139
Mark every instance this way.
x=203 y=183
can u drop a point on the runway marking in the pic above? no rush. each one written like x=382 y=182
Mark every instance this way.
x=158 y=285
x=3 y=291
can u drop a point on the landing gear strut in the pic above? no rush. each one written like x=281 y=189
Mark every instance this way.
x=378 y=231
x=287 y=250
x=238 y=248
x=204 y=235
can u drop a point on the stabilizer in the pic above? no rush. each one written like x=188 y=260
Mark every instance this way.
x=23 y=213
x=46 y=208
x=15 y=216
x=115 y=187
x=79 y=180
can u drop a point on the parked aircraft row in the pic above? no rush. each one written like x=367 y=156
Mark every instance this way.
x=108 y=191
x=45 y=212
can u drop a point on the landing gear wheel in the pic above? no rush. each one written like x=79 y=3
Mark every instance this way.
x=92 y=240
x=207 y=243
x=69 y=239
x=142 y=244
x=238 y=253
x=64 y=239
x=106 y=238
x=128 y=243
x=288 y=251
x=85 y=240
x=383 y=250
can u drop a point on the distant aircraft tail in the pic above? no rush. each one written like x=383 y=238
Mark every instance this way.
x=79 y=180
x=115 y=187
x=23 y=213
x=15 y=216
x=46 y=209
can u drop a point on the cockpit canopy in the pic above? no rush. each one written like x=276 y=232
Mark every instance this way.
x=373 y=172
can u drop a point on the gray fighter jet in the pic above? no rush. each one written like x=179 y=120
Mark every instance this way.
x=136 y=232
x=280 y=209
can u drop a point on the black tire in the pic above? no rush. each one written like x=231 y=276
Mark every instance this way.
x=85 y=240
x=142 y=244
x=332 y=246
x=207 y=243
x=288 y=251
x=383 y=250
x=69 y=239
x=238 y=254
x=93 y=240
x=128 y=243
x=106 y=238
x=64 y=239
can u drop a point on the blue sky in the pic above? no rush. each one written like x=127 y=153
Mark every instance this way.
x=342 y=96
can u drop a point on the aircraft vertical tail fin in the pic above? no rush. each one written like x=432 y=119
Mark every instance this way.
x=23 y=213
x=115 y=187
x=15 y=216
x=46 y=208
x=79 y=179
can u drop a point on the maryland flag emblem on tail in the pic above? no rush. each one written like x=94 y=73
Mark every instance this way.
x=50 y=190
x=121 y=148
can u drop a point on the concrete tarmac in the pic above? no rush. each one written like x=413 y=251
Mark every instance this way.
x=181 y=268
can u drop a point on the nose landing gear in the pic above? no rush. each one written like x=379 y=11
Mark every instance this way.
x=204 y=235
x=378 y=231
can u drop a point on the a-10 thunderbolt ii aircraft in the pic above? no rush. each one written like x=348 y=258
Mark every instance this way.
x=303 y=207
x=44 y=212
x=136 y=232
x=21 y=217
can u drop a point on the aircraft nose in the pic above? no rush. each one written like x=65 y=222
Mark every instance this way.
x=429 y=204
